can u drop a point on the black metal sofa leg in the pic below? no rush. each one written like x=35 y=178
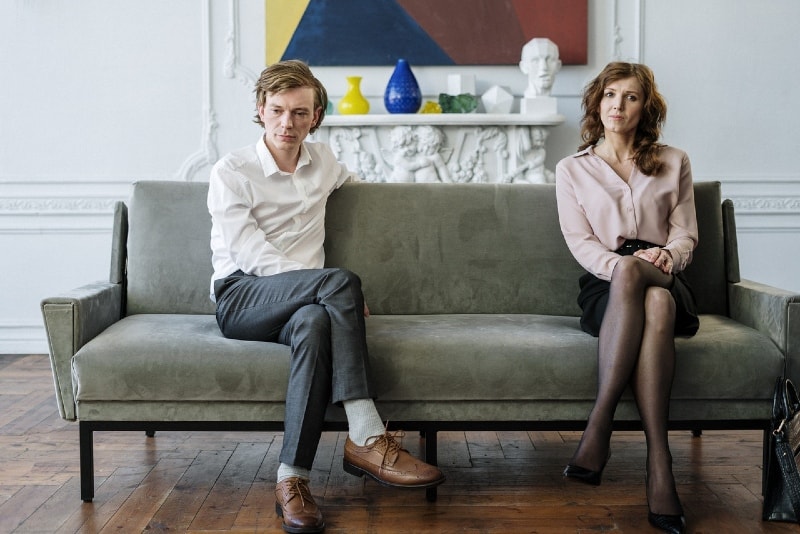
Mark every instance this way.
x=431 y=457
x=86 y=446
x=765 y=452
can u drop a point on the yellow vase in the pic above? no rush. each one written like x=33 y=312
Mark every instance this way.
x=353 y=102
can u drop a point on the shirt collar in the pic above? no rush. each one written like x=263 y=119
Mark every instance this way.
x=268 y=162
x=586 y=151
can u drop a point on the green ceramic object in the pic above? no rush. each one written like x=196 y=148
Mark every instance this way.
x=464 y=103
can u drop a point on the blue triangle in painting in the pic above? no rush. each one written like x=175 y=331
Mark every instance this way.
x=361 y=32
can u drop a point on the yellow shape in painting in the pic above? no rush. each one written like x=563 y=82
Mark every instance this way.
x=283 y=17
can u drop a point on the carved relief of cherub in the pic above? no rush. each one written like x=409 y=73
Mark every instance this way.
x=430 y=141
x=403 y=155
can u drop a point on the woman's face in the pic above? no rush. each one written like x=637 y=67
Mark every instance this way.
x=621 y=106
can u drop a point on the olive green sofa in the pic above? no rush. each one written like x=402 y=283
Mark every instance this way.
x=474 y=322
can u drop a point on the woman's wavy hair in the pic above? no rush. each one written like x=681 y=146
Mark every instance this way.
x=654 y=113
x=285 y=75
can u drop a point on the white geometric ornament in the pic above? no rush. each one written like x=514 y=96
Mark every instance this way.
x=497 y=100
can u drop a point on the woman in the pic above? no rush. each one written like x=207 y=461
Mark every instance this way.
x=626 y=209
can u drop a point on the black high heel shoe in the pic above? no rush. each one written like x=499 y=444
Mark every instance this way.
x=587 y=476
x=674 y=524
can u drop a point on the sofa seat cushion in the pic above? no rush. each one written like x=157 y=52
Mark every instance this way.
x=541 y=357
x=414 y=358
x=163 y=357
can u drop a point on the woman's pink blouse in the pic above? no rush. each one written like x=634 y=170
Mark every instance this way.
x=598 y=210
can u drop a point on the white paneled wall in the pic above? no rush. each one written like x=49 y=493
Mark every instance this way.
x=95 y=94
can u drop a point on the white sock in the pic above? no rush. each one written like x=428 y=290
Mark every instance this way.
x=363 y=420
x=287 y=471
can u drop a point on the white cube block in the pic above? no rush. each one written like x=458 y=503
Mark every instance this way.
x=459 y=84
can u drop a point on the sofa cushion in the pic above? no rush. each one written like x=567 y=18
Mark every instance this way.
x=536 y=357
x=414 y=358
x=169 y=252
x=483 y=248
x=454 y=249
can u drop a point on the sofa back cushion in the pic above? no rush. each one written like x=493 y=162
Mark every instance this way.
x=480 y=248
x=169 y=252
x=418 y=248
x=454 y=248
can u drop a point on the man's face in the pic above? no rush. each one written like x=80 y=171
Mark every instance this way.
x=288 y=116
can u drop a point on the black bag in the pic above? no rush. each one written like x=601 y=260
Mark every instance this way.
x=782 y=465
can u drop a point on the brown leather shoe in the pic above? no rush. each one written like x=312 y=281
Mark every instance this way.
x=383 y=459
x=297 y=507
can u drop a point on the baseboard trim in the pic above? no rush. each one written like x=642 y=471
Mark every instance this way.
x=23 y=339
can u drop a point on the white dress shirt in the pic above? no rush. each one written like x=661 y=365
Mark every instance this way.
x=265 y=221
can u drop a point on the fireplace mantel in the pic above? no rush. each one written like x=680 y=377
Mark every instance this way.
x=442 y=147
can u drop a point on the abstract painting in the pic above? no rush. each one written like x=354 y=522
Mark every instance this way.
x=425 y=32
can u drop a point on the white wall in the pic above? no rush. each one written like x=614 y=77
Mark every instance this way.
x=730 y=72
x=95 y=94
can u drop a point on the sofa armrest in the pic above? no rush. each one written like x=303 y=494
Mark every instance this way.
x=71 y=320
x=772 y=311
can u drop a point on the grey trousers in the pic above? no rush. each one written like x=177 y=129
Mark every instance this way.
x=319 y=314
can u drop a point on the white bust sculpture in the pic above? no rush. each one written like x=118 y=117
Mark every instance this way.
x=540 y=62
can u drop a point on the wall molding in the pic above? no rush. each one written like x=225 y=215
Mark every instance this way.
x=56 y=206
x=44 y=205
x=764 y=205
x=757 y=195
x=232 y=68
x=207 y=154
x=631 y=33
x=627 y=30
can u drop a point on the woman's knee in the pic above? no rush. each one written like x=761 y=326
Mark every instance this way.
x=628 y=267
x=628 y=274
x=659 y=307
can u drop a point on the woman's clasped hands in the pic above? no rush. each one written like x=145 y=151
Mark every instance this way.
x=660 y=257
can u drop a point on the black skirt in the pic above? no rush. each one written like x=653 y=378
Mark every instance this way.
x=593 y=297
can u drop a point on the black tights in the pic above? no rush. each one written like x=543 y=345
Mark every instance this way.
x=637 y=348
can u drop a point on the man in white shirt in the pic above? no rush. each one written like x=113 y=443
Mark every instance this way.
x=267 y=204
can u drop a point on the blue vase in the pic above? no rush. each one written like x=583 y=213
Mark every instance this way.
x=402 y=92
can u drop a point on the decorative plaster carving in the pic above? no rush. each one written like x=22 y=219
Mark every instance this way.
x=634 y=52
x=20 y=206
x=207 y=155
x=33 y=199
x=446 y=153
x=761 y=204
x=231 y=67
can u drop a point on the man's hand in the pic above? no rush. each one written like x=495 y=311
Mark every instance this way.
x=366 y=309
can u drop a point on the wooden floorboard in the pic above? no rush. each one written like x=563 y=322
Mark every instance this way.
x=204 y=482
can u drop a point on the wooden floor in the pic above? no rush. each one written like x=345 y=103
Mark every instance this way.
x=502 y=482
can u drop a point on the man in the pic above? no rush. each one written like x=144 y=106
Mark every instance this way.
x=267 y=204
x=540 y=62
